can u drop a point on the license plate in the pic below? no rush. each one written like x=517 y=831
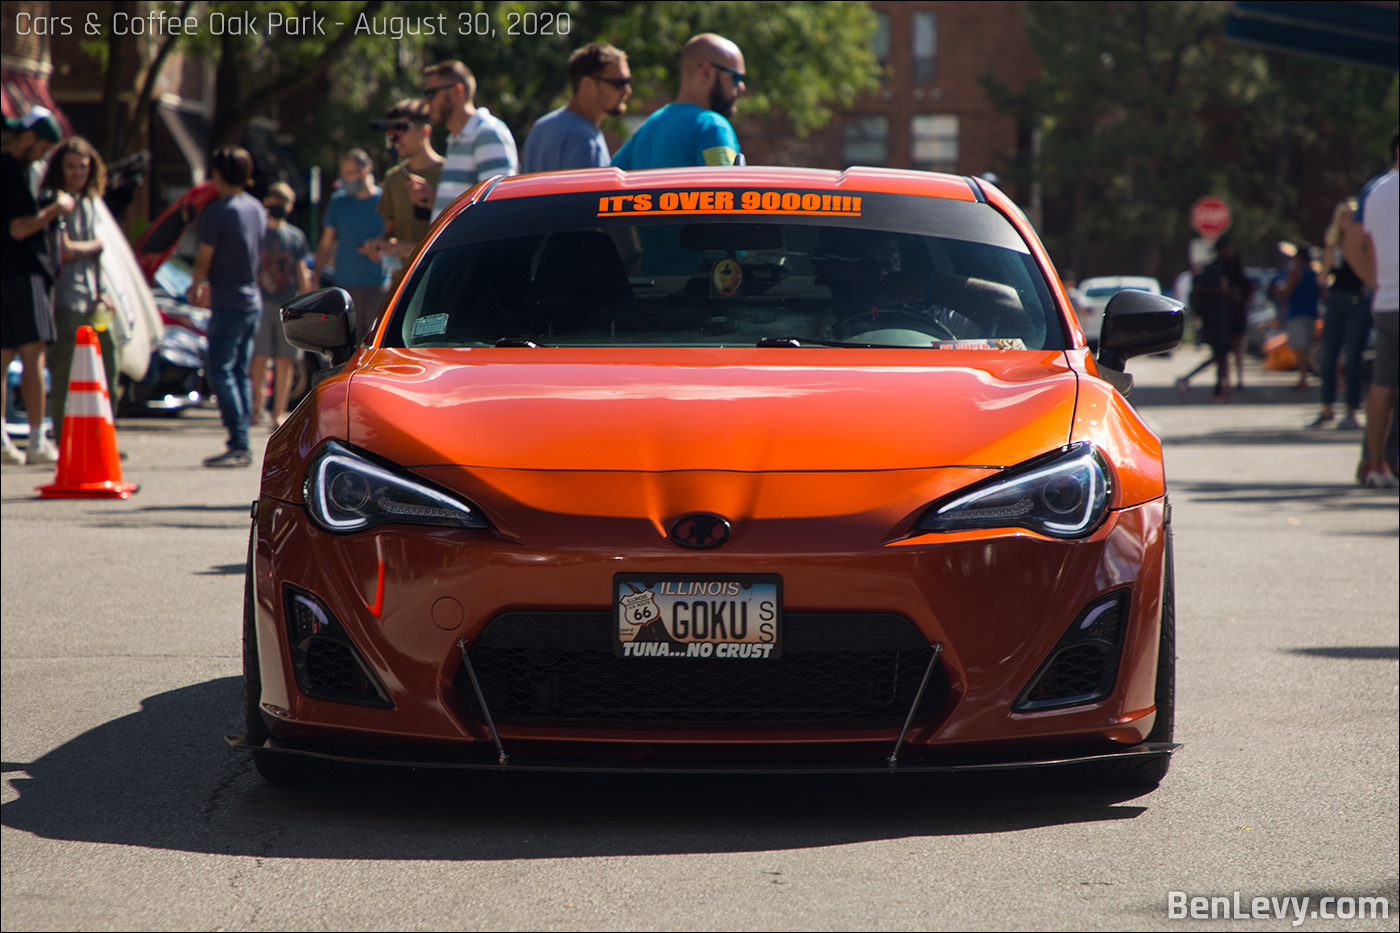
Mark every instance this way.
x=701 y=616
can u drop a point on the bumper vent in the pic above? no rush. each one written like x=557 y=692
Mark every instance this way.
x=1084 y=665
x=331 y=667
x=325 y=660
x=1075 y=672
x=836 y=668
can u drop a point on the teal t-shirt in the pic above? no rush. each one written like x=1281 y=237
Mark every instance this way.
x=679 y=135
x=355 y=220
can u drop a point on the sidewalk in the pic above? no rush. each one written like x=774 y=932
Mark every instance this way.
x=163 y=453
x=1262 y=432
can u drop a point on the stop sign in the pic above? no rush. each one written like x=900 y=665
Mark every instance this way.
x=1210 y=216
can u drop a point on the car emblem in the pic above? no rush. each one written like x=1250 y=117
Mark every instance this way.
x=700 y=530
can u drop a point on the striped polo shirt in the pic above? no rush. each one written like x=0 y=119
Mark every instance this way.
x=482 y=148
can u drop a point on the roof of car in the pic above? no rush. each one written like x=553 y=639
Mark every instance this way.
x=875 y=180
x=1120 y=281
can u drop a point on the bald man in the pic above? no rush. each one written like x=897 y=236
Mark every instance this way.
x=695 y=129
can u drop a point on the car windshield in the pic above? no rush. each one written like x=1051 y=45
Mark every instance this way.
x=815 y=281
x=174 y=277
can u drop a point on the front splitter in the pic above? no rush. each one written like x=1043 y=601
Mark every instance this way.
x=683 y=765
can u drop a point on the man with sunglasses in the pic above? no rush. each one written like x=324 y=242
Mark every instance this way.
x=570 y=136
x=695 y=129
x=407 y=199
x=479 y=144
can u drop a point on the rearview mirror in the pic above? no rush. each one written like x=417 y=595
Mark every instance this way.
x=720 y=238
x=322 y=321
x=1137 y=323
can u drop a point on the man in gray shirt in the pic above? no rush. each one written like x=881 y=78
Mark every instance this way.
x=569 y=137
x=225 y=280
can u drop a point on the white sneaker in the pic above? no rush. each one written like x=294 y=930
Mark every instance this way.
x=1382 y=479
x=11 y=453
x=42 y=452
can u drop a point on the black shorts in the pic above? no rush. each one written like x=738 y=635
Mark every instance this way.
x=26 y=311
x=1215 y=331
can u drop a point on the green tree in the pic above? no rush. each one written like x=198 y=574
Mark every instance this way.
x=257 y=69
x=803 y=58
x=120 y=129
x=1143 y=107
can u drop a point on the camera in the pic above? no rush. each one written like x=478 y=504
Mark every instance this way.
x=46 y=197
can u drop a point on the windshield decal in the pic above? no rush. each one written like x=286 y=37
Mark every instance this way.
x=995 y=343
x=724 y=202
x=430 y=325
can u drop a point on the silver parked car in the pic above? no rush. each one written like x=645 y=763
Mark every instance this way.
x=1092 y=296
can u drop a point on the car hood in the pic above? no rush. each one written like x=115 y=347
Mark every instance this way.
x=710 y=409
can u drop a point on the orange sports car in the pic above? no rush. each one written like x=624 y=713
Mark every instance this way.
x=746 y=469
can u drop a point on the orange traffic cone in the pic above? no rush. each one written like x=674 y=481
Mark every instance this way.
x=89 y=466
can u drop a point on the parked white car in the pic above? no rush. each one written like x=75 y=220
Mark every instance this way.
x=1092 y=296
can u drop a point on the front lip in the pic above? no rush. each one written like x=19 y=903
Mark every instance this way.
x=907 y=762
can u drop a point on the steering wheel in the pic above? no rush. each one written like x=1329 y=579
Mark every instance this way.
x=888 y=319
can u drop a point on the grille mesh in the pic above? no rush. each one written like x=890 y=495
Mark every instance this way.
x=331 y=666
x=856 y=668
x=1077 y=671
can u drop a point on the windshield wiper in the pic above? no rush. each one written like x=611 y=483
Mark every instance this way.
x=795 y=342
x=516 y=342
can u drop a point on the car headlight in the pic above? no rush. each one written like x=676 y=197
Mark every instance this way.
x=345 y=493
x=1063 y=494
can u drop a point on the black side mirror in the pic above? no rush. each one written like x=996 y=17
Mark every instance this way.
x=322 y=321
x=1135 y=324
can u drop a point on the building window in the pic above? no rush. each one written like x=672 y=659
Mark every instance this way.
x=865 y=141
x=925 y=46
x=935 y=142
x=881 y=42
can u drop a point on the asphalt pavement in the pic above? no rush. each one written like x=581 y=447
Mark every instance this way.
x=124 y=809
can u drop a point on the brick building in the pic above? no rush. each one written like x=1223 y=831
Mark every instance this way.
x=54 y=67
x=25 y=59
x=931 y=111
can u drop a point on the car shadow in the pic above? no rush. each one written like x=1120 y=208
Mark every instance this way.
x=154 y=516
x=1265 y=437
x=223 y=570
x=1352 y=652
x=1332 y=495
x=163 y=778
x=1203 y=390
x=193 y=507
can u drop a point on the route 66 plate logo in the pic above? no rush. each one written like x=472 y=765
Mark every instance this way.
x=639 y=608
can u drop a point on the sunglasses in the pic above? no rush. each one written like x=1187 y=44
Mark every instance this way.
x=431 y=92
x=619 y=83
x=739 y=76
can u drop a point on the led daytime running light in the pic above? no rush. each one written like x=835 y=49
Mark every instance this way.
x=1076 y=481
x=346 y=493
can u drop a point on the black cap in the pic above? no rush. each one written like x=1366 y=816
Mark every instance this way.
x=41 y=121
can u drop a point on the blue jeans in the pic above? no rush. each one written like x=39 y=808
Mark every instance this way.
x=1346 y=323
x=230 y=350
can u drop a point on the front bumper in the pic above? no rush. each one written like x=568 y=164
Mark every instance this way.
x=998 y=602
